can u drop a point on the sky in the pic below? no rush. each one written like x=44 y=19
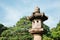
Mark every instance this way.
x=12 y=10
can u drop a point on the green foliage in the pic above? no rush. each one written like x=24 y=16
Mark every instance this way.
x=55 y=32
x=46 y=30
x=20 y=31
x=47 y=38
x=2 y=28
x=23 y=22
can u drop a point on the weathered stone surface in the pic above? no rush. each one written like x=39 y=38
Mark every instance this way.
x=37 y=15
x=36 y=31
x=37 y=19
x=37 y=37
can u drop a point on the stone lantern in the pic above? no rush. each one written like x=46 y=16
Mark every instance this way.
x=37 y=19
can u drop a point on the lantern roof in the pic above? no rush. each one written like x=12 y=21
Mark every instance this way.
x=37 y=15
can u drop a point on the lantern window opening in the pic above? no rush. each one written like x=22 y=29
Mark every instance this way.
x=37 y=21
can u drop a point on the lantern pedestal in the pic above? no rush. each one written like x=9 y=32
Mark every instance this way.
x=37 y=33
x=37 y=37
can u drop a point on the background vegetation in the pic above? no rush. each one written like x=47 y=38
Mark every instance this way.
x=20 y=31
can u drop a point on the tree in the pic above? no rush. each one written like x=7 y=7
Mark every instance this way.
x=55 y=32
x=46 y=30
x=2 y=28
x=20 y=31
x=47 y=38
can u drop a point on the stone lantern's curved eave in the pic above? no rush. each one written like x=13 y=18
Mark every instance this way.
x=43 y=18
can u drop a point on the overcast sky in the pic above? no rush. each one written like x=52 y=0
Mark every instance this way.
x=12 y=10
